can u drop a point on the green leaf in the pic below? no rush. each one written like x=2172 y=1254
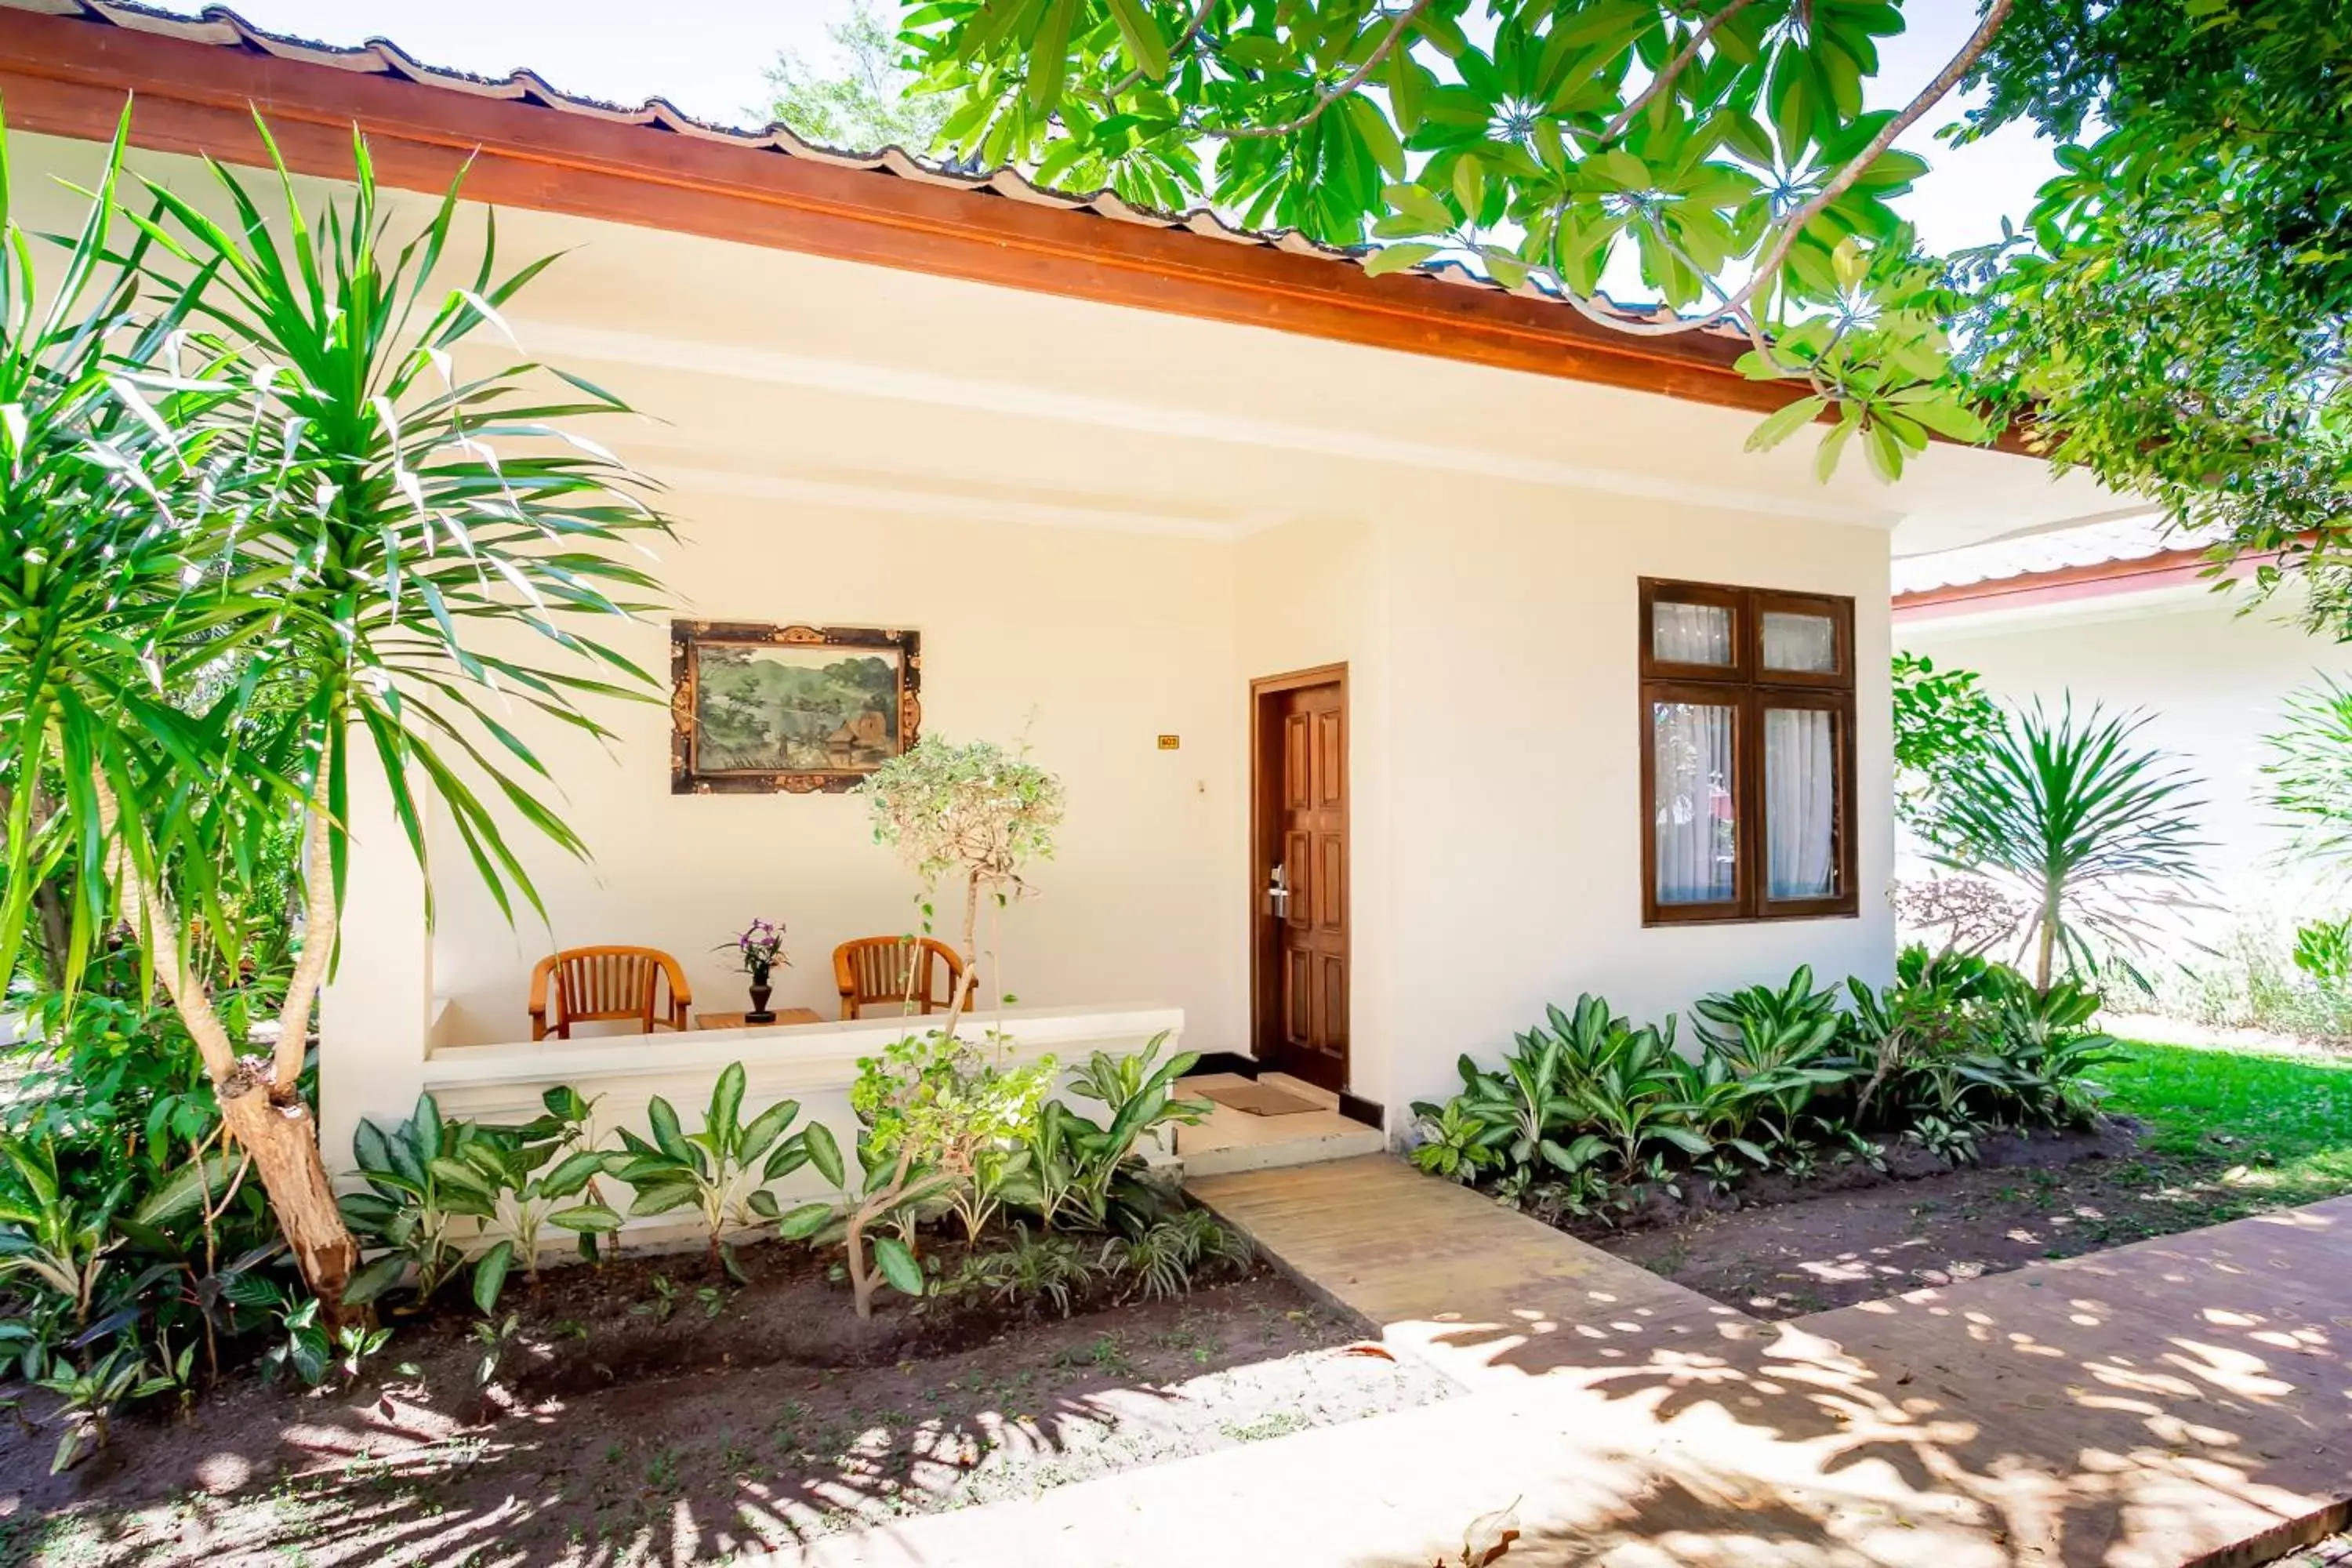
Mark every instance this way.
x=191 y=1186
x=375 y=1279
x=663 y=1119
x=823 y=1153
x=1946 y=415
x=1049 y=57
x=805 y=1221
x=1469 y=188
x=1403 y=258
x=898 y=1265
x=1146 y=45
x=766 y=1127
x=1885 y=451
x=1783 y=422
x=1420 y=205
x=1825 y=458
x=654 y=1200
x=592 y=1218
x=572 y=1173
x=490 y=1276
x=726 y=1106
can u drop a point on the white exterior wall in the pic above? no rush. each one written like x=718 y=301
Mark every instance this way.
x=1516 y=770
x=2212 y=682
x=1492 y=635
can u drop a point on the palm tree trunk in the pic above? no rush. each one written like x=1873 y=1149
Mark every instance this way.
x=2045 y=944
x=273 y=1124
x=321 y=922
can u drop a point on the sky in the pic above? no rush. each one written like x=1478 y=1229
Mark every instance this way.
x=708 y=56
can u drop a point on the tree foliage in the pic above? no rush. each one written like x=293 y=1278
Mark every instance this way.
x=2173 y=313
x=1943 y=721
x=866 y=106
x=1720 y=153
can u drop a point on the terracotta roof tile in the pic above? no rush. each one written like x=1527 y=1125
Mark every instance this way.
x=223 y=28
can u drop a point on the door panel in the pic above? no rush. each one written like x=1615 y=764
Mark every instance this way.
x=1300 y=842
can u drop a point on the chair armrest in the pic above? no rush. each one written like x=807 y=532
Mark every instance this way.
x=844 y=979
x=681 y=994
x=538 y=976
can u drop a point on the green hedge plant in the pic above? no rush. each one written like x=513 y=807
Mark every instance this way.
x=721 y=1172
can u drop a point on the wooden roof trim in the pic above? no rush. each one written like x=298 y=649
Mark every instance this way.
x=67 y=76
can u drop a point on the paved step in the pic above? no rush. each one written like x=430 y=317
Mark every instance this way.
x=1453 y=1276
x=1316 y=1148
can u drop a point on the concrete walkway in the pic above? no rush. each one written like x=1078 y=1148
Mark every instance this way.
x=1481 y=1292
x=2186 y=1401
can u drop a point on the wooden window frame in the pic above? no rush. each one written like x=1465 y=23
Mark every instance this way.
x=1749 y=689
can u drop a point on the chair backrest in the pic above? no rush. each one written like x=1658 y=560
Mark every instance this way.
x=874 y=969
x=592 y=984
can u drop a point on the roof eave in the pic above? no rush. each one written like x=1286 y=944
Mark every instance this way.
x=67 y=74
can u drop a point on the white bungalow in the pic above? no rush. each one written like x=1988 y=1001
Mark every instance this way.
x=1297 y=577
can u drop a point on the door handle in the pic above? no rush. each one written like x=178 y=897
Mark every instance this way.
x=1277 y=894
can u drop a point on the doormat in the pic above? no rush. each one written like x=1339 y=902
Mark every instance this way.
x=1261 y=1100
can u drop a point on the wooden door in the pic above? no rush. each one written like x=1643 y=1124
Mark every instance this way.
x=1299 y=875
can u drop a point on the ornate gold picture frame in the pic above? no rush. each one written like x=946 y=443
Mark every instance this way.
x=757 y=708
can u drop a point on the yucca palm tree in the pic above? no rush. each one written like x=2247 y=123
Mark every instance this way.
x=2097 y=832
x=2308 y=771
x=326 y=505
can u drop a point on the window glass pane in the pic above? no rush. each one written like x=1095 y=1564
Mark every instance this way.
x=1801 y=803
x=1794 y=642
x=1696 y=828
x=1690 y=634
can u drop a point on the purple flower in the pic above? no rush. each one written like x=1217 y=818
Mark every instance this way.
x=760 y=945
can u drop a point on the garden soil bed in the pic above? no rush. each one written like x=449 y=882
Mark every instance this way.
x=1856 y=1234
x=620 y=1432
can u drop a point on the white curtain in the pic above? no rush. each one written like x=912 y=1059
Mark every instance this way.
x=1806 y=643
x=1697 y=829
x=1799 y=803
x=1690 y=634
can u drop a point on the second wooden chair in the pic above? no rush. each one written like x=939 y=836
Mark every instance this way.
x=874 y=969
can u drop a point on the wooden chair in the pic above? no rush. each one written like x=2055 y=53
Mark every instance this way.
x=873 y=969
x=593 y=984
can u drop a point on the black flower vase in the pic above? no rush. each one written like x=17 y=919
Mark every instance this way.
x=760 y=992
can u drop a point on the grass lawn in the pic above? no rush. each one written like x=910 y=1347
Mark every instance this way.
x=2262 y=1131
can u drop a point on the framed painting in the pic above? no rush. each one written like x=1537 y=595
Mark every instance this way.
x=767 y=710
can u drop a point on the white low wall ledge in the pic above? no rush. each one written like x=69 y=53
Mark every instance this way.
x=792 y=1056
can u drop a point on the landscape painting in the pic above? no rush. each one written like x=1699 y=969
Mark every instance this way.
x=796 y=708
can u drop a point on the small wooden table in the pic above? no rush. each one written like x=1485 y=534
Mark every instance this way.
x=784 y=1015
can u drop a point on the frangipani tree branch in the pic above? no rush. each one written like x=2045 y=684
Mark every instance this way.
x=1668 y=72
x=1183 y=41
x=1736 y=305
x=1333 y=94
x=1769 y=264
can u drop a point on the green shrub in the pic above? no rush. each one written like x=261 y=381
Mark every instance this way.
x=721 y=1172
x=1588 y=1110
